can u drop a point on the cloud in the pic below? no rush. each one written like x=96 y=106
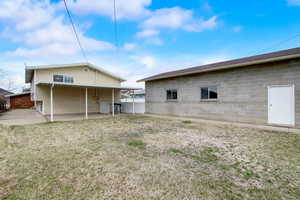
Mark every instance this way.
x=294 y=2
x=175 y=18
x=148 y=61
x=129 y=9
x=48 y=37
x=25 y=14
x=147 y=33
x=129 y=46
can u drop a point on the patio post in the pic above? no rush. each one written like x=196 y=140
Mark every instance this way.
x=86 y=103
x=113 y=102
x=133 y=102
x=51 y=103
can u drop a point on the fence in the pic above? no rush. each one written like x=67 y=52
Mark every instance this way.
x=139 y=107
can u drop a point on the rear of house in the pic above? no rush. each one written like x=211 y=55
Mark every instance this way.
x=262 y=89
x=73 y=89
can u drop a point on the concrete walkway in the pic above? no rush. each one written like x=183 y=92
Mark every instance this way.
x=21 y=117
x=262 y=127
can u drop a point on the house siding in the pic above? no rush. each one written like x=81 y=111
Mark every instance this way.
x=81 y=75
x=242 y=93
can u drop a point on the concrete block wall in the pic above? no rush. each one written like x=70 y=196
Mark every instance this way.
x=242 y=93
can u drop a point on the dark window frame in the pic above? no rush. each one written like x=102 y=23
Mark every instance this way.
x=172 y=94
x=210 y=91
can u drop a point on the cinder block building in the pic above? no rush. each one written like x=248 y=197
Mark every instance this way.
x=262 y=89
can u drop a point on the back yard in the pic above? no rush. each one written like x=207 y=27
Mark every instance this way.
x=139 y=157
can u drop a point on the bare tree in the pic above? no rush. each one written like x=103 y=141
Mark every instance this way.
x=6 y=82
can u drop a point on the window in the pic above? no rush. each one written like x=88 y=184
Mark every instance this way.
x=63 y=79
x=171 y=94
x=68 y=79
x=58 y=78
x=208 y=93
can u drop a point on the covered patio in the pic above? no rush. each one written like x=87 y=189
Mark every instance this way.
x=79 y=101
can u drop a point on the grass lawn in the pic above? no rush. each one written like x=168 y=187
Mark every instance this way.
x=138 y=157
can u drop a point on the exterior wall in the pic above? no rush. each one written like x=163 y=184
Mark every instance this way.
x=81 y=75
x=242 y=93
x=71 y=100
x=21 y=101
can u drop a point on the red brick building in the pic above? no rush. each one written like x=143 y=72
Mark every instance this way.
x=21 y=100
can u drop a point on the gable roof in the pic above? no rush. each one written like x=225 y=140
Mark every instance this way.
x=4 y=92
x=242 y=62
x=30 y=69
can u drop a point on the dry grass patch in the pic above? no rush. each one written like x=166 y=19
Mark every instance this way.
x=138 y=157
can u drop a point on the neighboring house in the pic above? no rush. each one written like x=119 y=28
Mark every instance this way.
x=133 y=101
x=3 y=100
x=73 y=89
x=263 y=89
x=20 y=100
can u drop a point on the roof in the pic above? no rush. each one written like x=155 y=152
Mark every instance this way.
x=242 y=62
x=18 y=94
x=4 y=92
x=85 y=85
x=30 y=69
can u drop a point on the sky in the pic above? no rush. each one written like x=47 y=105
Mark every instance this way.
x=153 y=36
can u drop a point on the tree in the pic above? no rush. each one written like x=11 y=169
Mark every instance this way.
x=6 y=82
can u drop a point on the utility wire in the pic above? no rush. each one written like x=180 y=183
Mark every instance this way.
x=115 y=25
x=277 y=44
x=75 y=32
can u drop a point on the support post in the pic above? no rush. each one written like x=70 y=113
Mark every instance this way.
x=34 y=89
x=113 y=103
x=51 y=103
x=133 y=111
x=86 y=103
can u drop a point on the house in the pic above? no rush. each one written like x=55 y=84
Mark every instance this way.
x=3 y=99
x=20 y=100
x=79 y=88
x=262 y=89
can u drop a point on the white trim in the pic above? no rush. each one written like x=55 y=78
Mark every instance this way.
x=86 y=103
x=133 y=111
x=86 y=85
x=51 y=103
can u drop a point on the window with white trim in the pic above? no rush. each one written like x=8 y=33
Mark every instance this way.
x=209 y=93
x=171 y=94
x=63 y=79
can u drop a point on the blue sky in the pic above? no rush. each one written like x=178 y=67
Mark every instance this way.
x=153 y=35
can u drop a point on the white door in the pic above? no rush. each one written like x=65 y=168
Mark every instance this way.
x=281 y=105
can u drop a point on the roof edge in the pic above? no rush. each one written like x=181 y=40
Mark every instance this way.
x=220 y=68
x=27 y=68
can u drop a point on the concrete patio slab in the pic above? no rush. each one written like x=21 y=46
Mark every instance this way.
x=21 y=117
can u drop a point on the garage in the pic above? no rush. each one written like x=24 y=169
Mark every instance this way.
x=21 y=100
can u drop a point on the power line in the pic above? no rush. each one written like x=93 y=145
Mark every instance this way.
x=75 y=32
x=278 y=44
x=115 y=25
